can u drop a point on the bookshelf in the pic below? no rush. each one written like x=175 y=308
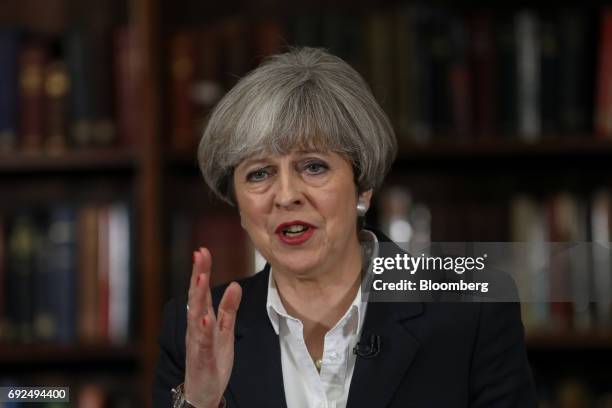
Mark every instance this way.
x=468 y=184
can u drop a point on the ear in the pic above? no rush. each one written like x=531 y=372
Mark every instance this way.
x=366 y=197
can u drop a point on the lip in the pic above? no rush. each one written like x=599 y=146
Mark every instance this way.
x=293 y=241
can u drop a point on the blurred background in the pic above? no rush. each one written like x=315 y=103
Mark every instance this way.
x=503 y=115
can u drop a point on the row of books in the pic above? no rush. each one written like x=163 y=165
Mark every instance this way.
x=573 y=392
x=65 y=274
x=74 y=90
x=564 y=288
x=233 y=256
x=437 y=72
x=585 y=279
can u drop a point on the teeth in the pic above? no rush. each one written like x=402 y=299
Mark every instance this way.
x=293 y=229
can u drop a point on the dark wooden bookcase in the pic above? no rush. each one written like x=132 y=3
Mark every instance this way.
x=458 y=176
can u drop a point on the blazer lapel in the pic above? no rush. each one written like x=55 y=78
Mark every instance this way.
x=375 y=380
x=257 y=379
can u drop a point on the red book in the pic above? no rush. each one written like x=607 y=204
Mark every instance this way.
x=603 y=116
x=128 y=57
x=32 y=61
x=182 y=65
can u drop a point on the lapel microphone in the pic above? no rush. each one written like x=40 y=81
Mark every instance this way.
x=368 y=350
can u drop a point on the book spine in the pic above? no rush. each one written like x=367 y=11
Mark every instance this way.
x=182 y=67
x=21 y=242
x=483 y=68
x=81 y=100
x=62 y=240
x=119 y=273
x=56 y=91
x=603 y=117
x=103 y=272
x=528 y=69
x=127 y=60
x=550 y=85
x=576 y=68
x=9 y=51
x=87 y=253
x=32 y=61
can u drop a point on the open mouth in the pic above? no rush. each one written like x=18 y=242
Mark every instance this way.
x=294 y=230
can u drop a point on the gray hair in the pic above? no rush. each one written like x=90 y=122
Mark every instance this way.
x=307 y=99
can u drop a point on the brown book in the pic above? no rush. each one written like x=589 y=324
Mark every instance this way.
x=562 y=220
x=182 y=69
x=32 y=62
x=381 y=62
x=207 y=88
x=103 y=273
x=269 y=38
x=235 y=49
x=127 y=82
x=87 y=232
x=482 y=63
x=227 y=243
x=56 y=90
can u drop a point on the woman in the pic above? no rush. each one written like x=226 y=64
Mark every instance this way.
x=298 y=146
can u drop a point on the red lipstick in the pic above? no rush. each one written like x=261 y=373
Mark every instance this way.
x=294 y=232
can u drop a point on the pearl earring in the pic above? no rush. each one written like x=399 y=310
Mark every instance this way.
x=361 y=209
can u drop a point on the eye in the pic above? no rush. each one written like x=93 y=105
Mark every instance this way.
x=315 y=167
x=258 y=175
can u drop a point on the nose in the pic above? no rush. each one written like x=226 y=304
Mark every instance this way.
x=288 y=191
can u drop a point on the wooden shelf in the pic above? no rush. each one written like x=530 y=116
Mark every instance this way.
x=548 y=148
x=569 y=341
x=77 y=160
x=37 y=354
x=559 y=147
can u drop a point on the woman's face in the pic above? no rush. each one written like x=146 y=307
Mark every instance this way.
x=299 y=209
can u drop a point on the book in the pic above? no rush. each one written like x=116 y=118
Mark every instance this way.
x=32 y=61
x=127 y=60
x=483 y=67
x=576 y=67
x=119 y=275
x=23 y=236
x=603 y=113
x=182 y=72
x=9 y=51
x=87 y=261
x=62 y=268
x=57 y=85
x=528 y=76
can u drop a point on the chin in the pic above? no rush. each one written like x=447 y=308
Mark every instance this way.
x=298 y=265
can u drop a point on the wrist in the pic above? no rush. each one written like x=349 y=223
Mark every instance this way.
x=180 y=400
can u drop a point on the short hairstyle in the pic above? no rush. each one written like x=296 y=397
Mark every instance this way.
x=304 y=99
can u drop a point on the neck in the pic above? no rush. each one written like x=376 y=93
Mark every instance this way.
x=320 y=298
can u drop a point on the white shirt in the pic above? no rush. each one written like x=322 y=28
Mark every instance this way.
x=304 y=386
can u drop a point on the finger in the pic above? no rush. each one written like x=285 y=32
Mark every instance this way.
x=201 y=324
x=205 y=268
x=197 y=302
x=229 y=307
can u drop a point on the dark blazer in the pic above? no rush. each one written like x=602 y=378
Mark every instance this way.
x=438 y=355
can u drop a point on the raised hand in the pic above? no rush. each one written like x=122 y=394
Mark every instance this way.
x=210 y=338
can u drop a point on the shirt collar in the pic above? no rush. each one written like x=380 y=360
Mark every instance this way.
x=276 y=309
